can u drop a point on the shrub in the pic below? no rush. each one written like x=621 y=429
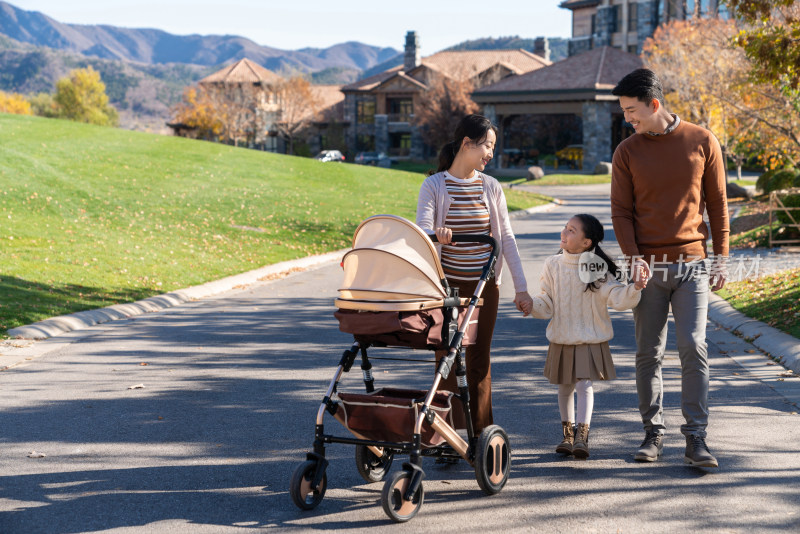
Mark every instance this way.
x=762 y=184
x=782 y=179
x=789 y=201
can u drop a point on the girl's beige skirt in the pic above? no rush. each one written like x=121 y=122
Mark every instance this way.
x=566 y=364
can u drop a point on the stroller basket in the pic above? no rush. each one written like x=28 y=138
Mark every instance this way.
x=389 y=414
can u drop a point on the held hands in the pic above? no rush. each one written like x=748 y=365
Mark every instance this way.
x=641 y=273
x=523 y=302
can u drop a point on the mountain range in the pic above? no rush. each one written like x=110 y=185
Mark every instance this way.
x=146 y=70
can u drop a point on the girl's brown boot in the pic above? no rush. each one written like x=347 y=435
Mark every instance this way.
x=565 y=447
x=581 y=447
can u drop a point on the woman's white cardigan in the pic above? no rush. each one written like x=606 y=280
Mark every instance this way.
x=434 y=203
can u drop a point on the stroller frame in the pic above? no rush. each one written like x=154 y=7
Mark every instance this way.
x=402 y=495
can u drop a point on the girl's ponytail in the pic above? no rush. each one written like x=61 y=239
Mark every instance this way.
x=593 y=230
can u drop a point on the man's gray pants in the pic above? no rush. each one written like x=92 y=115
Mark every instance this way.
x=685 y=287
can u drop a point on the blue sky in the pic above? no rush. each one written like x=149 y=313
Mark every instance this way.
x=297 y=24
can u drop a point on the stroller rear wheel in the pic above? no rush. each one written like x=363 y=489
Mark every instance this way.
x=492 y=459
x=370 y=467
x=395 y=506
x=303 y=495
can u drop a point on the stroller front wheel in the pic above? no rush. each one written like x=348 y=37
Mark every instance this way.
x=395 y=506
x=493 y=459
x=370 y=467
x=303 y=495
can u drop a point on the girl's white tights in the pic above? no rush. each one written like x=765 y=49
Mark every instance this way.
x=566 y=402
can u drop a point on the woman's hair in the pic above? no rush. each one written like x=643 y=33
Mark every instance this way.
x=593 y=231
x=642 y=84
x=473 y=126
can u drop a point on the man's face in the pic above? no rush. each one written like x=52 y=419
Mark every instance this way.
x=640 y=115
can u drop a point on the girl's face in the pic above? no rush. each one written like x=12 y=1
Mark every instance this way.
x=573 y=239
x=481 y=153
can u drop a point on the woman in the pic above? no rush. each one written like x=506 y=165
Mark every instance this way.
x=460 y=199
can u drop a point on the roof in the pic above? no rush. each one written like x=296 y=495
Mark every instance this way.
x=459 y=64
x=577 y=4
x=464 y=64
x=597 y=69
x=243 y=71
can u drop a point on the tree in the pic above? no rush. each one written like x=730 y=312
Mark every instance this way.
x=297 y=105
x=14 y=103
x=707 y=81
x=82 y=97
x=441 y=107
x=771 y=39
x=197 y=110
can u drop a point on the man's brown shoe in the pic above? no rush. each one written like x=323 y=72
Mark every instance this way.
x=697 y=453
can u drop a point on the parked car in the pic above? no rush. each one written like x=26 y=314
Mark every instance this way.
x=329 y=155
x=378 y=159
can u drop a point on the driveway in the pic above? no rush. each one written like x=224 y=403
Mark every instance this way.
x=193 y=419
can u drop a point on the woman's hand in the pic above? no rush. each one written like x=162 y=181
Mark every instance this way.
x=524 y=302
x=444 y=235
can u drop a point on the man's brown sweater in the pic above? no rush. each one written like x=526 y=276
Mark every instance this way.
x=660 y=186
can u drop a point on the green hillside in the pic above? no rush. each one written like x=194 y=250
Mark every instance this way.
x=93 y=216
x=108 y=215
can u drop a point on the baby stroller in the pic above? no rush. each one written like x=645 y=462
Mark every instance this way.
x=395 y=294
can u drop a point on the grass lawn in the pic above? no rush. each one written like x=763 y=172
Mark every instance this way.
x=94 y=216
x=565 y=179
x=771 y=299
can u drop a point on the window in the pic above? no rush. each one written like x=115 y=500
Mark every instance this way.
x=400 y=109
x=365 y=112
x=632 y=16
x=399 y=144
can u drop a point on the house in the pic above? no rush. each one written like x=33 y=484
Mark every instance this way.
x=379 y=109
x=252 y=92
x=626 y=24
x=579 y=85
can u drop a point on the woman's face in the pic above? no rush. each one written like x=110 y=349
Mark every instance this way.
x=480 y=153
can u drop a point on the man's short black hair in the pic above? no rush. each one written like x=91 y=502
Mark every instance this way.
x=642 y=84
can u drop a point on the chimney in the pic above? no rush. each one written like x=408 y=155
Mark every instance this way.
x=541 y=47
x=412 y=59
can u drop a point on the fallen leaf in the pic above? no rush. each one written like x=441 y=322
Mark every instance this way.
x=144 y=363
x=35 y=454
x=737 y=374
x=137 y=386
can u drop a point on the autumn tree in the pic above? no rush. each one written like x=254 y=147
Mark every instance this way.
x=14 y=103
x=771 y=39
x=297 y=105
x=82 y=97
x=707 y=81
x=441 y=107
x=197 y=111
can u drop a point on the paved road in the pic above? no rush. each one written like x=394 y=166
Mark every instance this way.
x=231 y=386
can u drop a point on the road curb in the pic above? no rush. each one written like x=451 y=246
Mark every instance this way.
x=76 y=321
x=782 y=347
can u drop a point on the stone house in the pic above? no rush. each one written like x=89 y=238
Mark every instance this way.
x=252 y=86
x=379 y=110
x=579 y=85
x=626 y=24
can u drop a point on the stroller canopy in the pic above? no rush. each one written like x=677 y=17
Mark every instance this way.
x=393 y=262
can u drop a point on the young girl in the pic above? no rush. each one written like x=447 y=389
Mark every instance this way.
x=576 y=294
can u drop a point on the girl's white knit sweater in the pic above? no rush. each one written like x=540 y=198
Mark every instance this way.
x=577 y=315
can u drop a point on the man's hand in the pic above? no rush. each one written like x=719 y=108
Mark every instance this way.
x=719 y=272
x=523 y=302
x=641 y=273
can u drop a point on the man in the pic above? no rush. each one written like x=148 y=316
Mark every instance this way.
x=664 y=177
